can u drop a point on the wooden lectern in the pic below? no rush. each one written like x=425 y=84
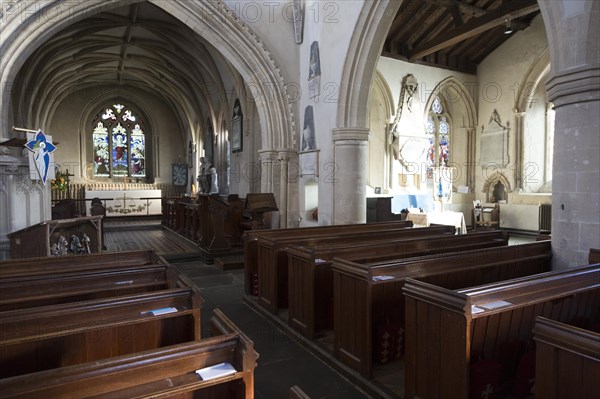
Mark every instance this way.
x=257 y=204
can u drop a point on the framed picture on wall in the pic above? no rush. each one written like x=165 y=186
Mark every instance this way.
x=237 y=128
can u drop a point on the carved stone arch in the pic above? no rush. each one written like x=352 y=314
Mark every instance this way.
x=491 y=182
x=536 y=75
x=366 y=44
x=442 y=89
x=452 y=90
x=23 y=33
x=382 y=85
x=85 y=120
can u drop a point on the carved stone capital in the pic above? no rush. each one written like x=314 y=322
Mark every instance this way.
x=350 y=133
x=574 y=86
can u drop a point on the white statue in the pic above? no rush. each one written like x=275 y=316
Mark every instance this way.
x=214 y=183
x=85 y=239
x=63 y=245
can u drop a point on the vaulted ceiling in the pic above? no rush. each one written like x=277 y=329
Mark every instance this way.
x=455 y=34
x=137 y=46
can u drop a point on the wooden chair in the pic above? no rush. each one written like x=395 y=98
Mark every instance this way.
x=486 y=216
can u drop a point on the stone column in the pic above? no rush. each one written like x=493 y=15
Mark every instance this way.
x=348 y=175
x=575 y=93
x=270 y=180
x=519 y=137
x=288 y=187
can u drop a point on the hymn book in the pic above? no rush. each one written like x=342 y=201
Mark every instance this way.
x=216 y=371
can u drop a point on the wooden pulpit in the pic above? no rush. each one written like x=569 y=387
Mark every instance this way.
x=257 y=204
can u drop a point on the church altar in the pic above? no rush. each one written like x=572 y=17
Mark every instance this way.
x=121 y=202
x=449 y=218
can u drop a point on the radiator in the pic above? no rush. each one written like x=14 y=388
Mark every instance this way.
x=545 y=219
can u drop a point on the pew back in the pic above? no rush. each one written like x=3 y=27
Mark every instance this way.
x=250 y=238
x=378 y=303
x=47 y=337
x=159 y=373
x=64 y=264
x=50 y=289
x=567 y=361
x=273 y=259
x=446 y=329
x=311 y=279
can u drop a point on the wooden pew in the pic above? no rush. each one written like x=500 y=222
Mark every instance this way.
x=68 y=264
x=378 y=303
x=250 y=238
x=158 y=373
x=54 y=288
x=297 y=393
x=273 y=259
x=567 y=361
x=311 y=278
x=48 y=337
x=594 y=256
x=489 y=324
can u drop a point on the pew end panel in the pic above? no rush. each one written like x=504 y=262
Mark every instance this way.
x=567 y=360
x=489 y=323
x=594 y=256
x=245 y=356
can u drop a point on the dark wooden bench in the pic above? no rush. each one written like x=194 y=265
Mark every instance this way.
x=594 y=256
x=250 y=238
x=297 y=393
x=48 y=337
x=157 y=373
x=273 y=258
x=471 y=340
x=377 y=305
x=54 y=288
x=567 y=361
x=311 y=278
x=68 y=264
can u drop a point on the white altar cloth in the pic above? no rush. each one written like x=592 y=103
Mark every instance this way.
x=449 y=218
x=127 y=202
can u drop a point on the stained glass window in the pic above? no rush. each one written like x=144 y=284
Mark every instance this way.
x=437 y=128
x=119 y=143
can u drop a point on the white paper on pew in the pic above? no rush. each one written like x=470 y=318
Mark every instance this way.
x=216 y=371
x=382 y=278
x=494 y=305
x=475 y=309
x=319 y=261
x=158 y=312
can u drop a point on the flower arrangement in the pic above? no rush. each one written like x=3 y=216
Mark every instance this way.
x=60 y=182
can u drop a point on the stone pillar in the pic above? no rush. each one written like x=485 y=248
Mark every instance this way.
x=519 y=137
x=348 y=176
x=288 y=188
x=575 y=93
x=270 y=181
x=471 y=158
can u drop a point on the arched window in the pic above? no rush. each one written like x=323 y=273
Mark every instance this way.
x=437 y=129
x=119 y=143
